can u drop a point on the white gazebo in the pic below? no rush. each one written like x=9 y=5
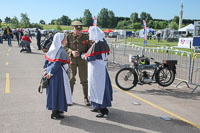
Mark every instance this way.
x=189 y=28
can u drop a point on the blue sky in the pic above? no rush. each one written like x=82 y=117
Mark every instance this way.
x=53 y=9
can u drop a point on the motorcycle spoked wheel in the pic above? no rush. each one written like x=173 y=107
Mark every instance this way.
x=165 y=77
x=126 y=78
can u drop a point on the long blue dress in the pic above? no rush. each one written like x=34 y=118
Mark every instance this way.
x=56 y=99
x=108 y=87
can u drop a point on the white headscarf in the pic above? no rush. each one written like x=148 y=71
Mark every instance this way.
x=57 y=51
x=55 y=46
x=96 y=34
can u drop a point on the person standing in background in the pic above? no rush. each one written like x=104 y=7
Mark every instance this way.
x=29 y=33
x=38 y=37
x=17 y=36
x=8 y=33
x=1 y=36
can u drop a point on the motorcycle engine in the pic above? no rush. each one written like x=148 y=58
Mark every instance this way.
x=146 y=77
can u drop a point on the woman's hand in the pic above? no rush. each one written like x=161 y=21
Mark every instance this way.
x=48 y=76
x=75 y=53
x=83 y=57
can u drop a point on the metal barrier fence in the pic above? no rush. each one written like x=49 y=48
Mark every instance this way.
x=187 y=69
x=195 y=72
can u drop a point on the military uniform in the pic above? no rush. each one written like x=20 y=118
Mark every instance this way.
x=81 y=44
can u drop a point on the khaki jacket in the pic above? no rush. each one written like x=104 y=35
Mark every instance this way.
x=77 y=43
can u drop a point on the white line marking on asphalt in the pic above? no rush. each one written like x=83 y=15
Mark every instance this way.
x=7 y=90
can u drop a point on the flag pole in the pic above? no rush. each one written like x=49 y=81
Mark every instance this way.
x=145 y=36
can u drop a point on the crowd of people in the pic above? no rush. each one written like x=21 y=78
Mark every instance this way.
x=89 y=54
x=24 y=38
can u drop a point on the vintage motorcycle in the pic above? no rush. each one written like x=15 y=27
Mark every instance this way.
x=142 y=72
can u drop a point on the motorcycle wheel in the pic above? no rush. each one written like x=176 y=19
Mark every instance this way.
x=126 y=78
x=165 y=77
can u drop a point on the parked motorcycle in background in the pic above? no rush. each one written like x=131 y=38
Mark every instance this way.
x=143 y=72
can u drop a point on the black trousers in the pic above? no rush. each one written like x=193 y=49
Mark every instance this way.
x=38 y=44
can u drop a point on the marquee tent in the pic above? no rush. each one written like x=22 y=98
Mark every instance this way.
x=190 y=27
x=107 y=31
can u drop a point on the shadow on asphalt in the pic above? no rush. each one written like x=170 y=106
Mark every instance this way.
x=139 y=120
x=94 y=126
x=32 y=53
x=147 y=121
x=170 y=92
x=35 y=53
x=77 y=104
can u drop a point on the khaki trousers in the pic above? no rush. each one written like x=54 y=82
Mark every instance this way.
x=82 y=69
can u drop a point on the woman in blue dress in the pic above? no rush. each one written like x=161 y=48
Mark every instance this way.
x=99 y=84
x=56 y=64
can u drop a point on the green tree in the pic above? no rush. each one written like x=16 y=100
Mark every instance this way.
x=78 y=19
x=87 y=18
x=65 y=20
x=42 y=22
x=136 y=26
x=103 y=18
x=151 y=24
x=25 y=21
x=174 y=25
x=15 y=22
x=7 y=20
x=53 y=22
x=123 y=24
x=122 y=19
x=157 y=25
x=145 y=16
x=148 y=17
x=163 y=24
x=134 y=17
x=112 y=20
x=58 y=22
x=176 y=19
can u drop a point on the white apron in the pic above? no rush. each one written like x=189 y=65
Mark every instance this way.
x=97 y=80
x=67 y=85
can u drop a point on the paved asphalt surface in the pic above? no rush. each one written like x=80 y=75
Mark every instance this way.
x=140 y=110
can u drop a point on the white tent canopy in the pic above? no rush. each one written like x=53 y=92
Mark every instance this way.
x=190 y=27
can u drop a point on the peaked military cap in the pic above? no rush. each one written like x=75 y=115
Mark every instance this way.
x=77 y=23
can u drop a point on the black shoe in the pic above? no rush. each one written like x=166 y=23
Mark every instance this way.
x=55 y=115
x=70 y=104
x=103 y=112
x=60 y=112
x=86 y=101
x=95 y=110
